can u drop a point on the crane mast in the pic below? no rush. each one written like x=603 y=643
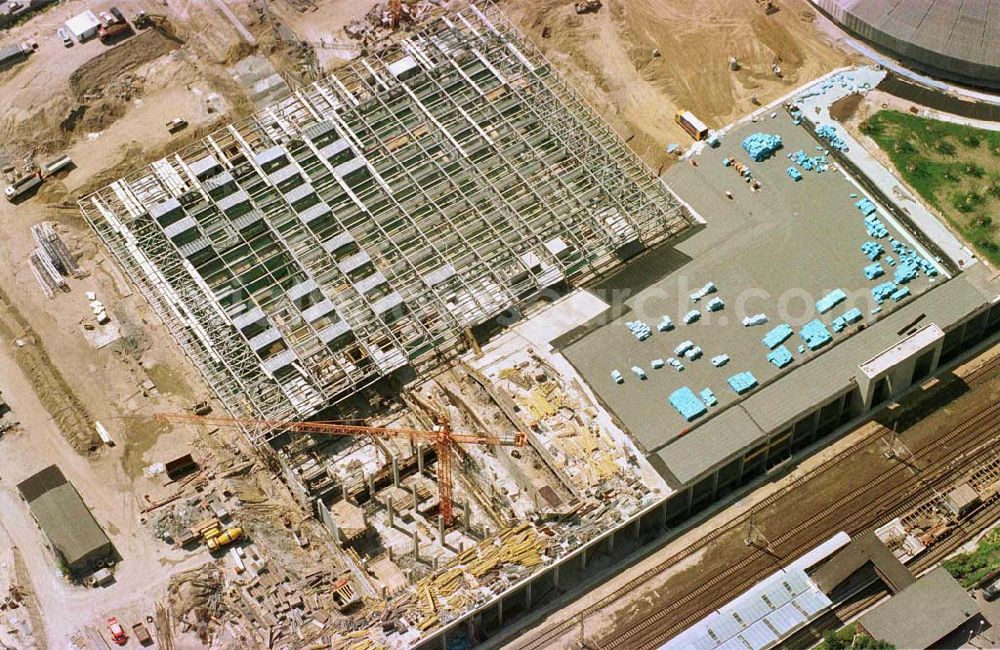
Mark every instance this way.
x=442 y=436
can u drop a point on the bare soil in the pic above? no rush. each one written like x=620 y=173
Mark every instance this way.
x=609 y=55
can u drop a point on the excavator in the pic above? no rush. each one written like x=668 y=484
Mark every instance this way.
x=143 y=20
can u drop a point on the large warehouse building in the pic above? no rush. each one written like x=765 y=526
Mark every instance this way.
x=74 y=535
x=370 y=221
x=956 y=41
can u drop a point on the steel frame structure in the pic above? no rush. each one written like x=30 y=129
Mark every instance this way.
x=362 y=223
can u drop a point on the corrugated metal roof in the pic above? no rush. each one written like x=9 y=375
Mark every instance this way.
x=763 y=625
x=958 y=38
x=759 y=636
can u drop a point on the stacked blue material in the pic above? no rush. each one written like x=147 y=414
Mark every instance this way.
x=849 y=317
x=777 y=336
x=794 y=174
x=866 y=206
x=687 y=403
x=693 y=354
x=708 y=397
x=830 y=300
x=882 y=291
x=913 y=262
x=639 y=329
x=905 y=272
x=829 y=133
x=889 y=260
x=900 y=293
x=852 y=316
x=809 y=163
x=761 y=146
x=875 y=227
x=683 y=347
x=872 y=250
x=742 y=382
x=874 y=270
x=780 y=356
x=815 y=335
x=704 y=291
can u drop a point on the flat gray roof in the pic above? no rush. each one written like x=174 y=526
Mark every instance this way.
x=813 y=384
x=776 y=251
x=922 y=614
x=64 y=518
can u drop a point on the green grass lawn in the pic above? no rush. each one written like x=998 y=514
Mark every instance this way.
x=845 y=639
x=955 y=168
x=970 y=568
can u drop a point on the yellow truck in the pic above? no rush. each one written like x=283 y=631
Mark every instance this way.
x=224 y=539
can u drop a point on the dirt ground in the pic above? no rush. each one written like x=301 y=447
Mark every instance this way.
x=107 y=109
x=609 y=55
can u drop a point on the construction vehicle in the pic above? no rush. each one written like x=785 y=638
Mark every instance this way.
x=23 y=185
x=768 y=6
x=33 y=179
x=224 y=539
x=442 y=436
x=113 y=31
x=143 y=20
x=394 y=13
x=117 y=631
x=142 y=634
x=691 y=124
x=177 y=124
x=54 y=165
x=587 y=6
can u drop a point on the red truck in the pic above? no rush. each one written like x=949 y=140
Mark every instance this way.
x=117 y=631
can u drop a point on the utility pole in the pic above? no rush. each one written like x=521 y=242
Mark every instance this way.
x=755 y=536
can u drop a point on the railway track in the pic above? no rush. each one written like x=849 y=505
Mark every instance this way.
x=986 y=515
x=988 y=421
x=862 y=508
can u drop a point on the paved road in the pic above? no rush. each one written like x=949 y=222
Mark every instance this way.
x=816 y=109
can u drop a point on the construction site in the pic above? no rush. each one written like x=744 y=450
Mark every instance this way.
x=401 y=330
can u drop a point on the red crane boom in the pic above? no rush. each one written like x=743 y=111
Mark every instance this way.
x=442 y=436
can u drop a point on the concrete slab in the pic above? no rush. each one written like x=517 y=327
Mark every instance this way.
x=775 y=251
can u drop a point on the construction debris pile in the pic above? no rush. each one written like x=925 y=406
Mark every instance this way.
x=384 y=19
x=51 y=261
x=564 y=424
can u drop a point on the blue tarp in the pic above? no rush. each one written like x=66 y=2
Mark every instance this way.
x=777 y=336
x=815 y=335
x=874 y=270
x=780 y=356
x=742 y=382
x=761 y=146
x=687 y=403
x=830 y=300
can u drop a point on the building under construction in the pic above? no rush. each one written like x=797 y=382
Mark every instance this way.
x=365 y=223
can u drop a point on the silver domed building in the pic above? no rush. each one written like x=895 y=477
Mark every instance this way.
x=949 y=39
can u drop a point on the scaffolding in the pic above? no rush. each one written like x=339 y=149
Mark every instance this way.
x=363 y=223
